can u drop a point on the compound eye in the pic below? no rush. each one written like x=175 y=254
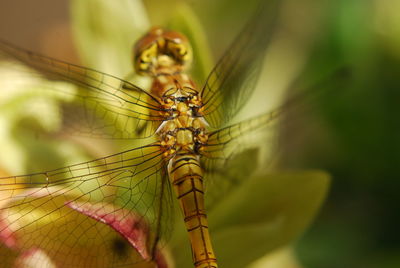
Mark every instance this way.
x=146 y=58
x=180 y=51
x=149 y=54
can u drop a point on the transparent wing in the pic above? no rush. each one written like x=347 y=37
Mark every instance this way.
x=104 y=105
x=235 y=152
x=225 y=143
x=103 y=213
x=233 y=79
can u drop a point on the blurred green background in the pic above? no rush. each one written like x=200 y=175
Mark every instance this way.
x=359 y=140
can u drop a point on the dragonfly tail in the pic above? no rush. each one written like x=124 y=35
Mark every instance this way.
x=187 y=179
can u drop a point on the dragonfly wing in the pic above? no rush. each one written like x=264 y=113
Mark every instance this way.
x=226 y=143
x=104 y=106
x=233 y=79
x=102 y=213
x=235 y=152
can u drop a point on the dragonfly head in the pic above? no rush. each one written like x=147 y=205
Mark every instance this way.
x=161 y=51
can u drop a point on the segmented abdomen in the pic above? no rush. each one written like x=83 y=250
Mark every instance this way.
x=186 y=177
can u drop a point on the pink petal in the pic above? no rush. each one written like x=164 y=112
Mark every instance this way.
x=7 y=236
x=130 y=225
x=160 y=260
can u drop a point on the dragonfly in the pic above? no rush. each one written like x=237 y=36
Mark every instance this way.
x=132 y=191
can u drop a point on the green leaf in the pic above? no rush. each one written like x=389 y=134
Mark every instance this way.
x=281 y=258
x=267 y=212
x=105 y=32
x=241 y=166
x=29 y=110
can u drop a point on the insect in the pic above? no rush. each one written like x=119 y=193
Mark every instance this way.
x=131 y=191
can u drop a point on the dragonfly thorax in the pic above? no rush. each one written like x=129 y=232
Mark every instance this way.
x=185 y=131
